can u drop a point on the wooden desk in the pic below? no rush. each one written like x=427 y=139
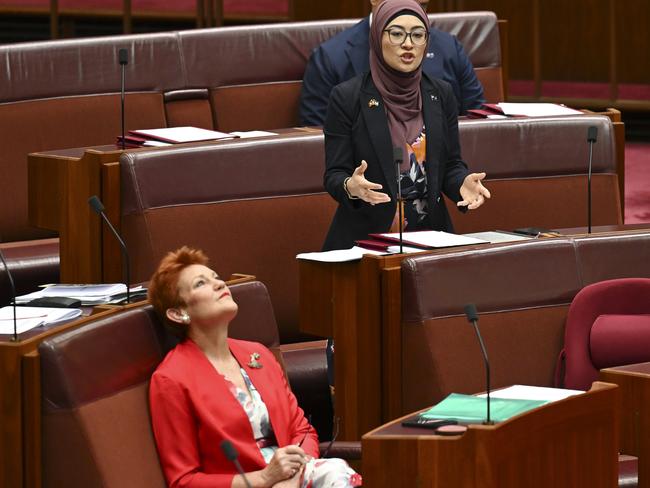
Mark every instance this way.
x=572 y=442
x=359 y=305
x=634 y=382
x=20 y=396
x=20 y=403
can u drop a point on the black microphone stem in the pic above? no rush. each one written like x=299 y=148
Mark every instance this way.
x=487 y=370
x=397 y=156
x=122 y=101
x=592 y=136
x=14 y=337
x=126 y=256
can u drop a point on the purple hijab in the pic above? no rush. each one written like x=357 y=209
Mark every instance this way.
x=400 y=91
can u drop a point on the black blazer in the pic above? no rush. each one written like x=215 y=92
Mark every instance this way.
x=357 y=129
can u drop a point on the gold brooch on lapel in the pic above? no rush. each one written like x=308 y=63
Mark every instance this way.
x=253 y=362
x=373 y=103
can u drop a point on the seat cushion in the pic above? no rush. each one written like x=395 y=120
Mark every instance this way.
x=618 y=339
x=31 y=263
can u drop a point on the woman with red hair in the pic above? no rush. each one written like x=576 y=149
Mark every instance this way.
x=211 y=388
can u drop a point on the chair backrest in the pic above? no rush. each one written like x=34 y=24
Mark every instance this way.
x=608 y=324
x=96 y=424
x=250 y=205
x=537 y=171
x=522 y=292
x=230 y=78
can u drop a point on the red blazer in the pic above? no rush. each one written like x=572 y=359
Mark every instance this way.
x=192 y=411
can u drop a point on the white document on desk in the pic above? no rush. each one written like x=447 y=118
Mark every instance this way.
x=253 y=133
x=433 y=239
x=28 y=318
x=525 y=392
x=339 y=255
x=537 y=109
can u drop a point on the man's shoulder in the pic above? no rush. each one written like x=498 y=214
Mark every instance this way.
x=351 y=35
x=441 y=38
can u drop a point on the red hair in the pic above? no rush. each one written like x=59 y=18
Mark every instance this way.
x=163 y=287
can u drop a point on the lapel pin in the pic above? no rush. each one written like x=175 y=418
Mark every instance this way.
x=253 y=362
x=430 y=55
x=373 y=103
x=434 y=97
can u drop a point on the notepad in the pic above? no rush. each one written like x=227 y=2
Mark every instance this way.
x=28 y=318
x=177 y=135
x=472 y=409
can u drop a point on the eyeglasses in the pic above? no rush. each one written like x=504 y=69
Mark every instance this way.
x=397 y=36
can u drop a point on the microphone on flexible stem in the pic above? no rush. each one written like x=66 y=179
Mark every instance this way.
x=123 y=56
x=12 y=285
x=231 y=454
x=472 y=317
x=398 y=158
x=98 y=207
x=592 y=134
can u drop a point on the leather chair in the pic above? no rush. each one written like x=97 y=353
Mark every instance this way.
x=96 y=428
x=608 y=325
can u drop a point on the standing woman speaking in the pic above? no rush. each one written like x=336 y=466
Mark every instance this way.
x=395 y=106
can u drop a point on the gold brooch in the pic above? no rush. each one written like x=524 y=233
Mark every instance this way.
x=253 y=362
x=373 y=103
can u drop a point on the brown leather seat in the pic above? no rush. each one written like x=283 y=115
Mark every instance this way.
x=31 y=263
x=522 y=292
x=235 y=78
x=96 y=425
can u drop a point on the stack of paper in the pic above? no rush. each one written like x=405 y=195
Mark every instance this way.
x=87 y=294
x=28 y=318
x=171 y=135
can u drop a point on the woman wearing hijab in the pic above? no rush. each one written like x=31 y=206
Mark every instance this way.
x=395 y=106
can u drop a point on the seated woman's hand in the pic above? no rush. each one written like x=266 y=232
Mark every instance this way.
x=473 y=191
x=285 y=464
x=358 y=187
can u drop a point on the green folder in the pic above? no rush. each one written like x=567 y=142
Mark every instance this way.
x=472 y=409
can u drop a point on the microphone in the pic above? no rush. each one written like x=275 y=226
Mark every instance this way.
x=12 y=285
x=231 y=454
x=472 y=317
x=398 y=158
x=592 y=134
x=98 y=207
x=123 y=55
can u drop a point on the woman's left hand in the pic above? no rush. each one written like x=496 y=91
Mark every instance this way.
x=473 y=191
x=293 y=482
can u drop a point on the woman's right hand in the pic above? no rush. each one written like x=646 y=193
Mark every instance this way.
x=359 y=187
x=285 y=463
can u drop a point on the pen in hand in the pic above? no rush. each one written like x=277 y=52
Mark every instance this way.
x=306 y=433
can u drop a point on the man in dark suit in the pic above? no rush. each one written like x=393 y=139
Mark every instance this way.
x=346 y=55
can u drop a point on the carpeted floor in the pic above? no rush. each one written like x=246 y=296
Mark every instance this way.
x=637 y=182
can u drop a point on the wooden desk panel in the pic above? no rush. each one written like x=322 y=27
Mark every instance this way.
x=634 y=382
x=567 y=443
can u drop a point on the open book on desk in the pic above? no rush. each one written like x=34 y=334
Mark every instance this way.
x=28 y=318
x=172 y=135
x=428 y=239
x=92 y=294
x=503 y=110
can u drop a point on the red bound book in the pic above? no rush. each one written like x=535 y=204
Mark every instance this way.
x=374 y=245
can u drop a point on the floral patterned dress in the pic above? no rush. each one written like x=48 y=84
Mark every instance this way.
x=414 y=186
x=318 y=473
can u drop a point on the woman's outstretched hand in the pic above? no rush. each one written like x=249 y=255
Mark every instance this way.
x=359 y=187
x=473 y=191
